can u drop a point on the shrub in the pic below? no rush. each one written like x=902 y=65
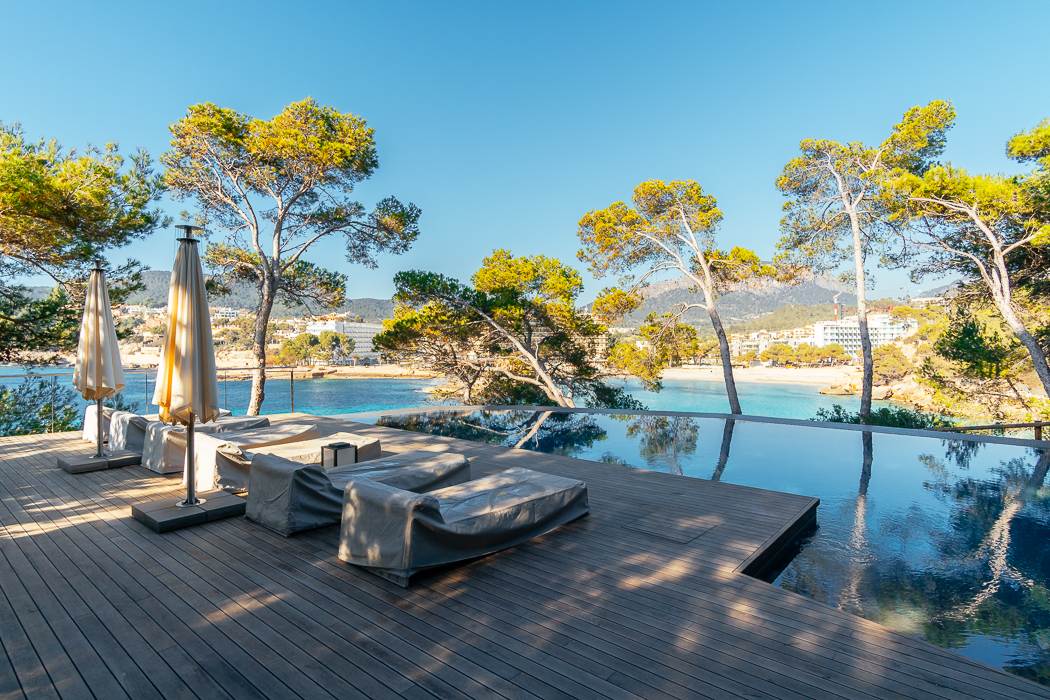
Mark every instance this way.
x=890 y=417
x=27 y=408
x=891 y=364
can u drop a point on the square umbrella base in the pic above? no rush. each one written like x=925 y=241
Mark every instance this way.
x=110 y=459
x=162 y=515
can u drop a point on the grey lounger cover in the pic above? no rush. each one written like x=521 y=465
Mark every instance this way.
x=221 y=461
x=164 y=447
x=397 y=533
x=290 y=497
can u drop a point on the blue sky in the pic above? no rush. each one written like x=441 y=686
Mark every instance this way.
x=505 y=122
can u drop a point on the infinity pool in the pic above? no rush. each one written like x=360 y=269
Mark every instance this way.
x=940 y=539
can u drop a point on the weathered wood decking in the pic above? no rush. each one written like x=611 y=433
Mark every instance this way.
x=94 y=604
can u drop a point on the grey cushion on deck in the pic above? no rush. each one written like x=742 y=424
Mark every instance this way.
x=396 y=533
x=164 y=445
x=290 y=497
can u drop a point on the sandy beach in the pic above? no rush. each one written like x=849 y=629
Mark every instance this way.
x=818 y=376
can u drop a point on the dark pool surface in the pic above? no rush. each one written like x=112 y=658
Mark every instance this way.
x=940 y=539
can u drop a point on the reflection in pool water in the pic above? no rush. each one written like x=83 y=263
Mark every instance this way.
x=940 y=539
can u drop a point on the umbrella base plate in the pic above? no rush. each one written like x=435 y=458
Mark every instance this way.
x=187 y=504
x=165 y=514
x=80 y=464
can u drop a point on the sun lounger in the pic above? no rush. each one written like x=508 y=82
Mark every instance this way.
x=127 y=431
x=222 y=460
x=290 y=497
x=164 y=445
x=396 y=533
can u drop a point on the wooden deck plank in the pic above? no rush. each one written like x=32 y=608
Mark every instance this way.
x=94 y=604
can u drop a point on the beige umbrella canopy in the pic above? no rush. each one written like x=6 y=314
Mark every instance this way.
x=98 y=373
x=187 y=390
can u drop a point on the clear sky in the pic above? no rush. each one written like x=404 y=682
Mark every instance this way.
x=505 y=122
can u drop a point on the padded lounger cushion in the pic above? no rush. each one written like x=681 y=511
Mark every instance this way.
x=289 y=497
x=221 y=460
x=164 y=448
x=233 y=461
x=396 y=533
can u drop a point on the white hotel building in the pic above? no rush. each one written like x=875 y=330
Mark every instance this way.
x=882 y=328
x=360 y=333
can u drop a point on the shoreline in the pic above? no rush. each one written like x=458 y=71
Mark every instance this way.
x=812 y=376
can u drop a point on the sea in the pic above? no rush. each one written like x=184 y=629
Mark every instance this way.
x=335 y=396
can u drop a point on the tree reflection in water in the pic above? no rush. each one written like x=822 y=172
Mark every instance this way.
x=542 y=431
x=664 y=440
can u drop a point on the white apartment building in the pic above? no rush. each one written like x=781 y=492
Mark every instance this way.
x=224 y=314
x=882 y=328
x=360 y=333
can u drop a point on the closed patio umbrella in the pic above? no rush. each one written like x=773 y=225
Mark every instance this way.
x=98 y=374
x=187 y=390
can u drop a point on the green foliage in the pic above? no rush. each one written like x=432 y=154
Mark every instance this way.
x=745 y=359
x=831 y=186
x=830 y=354
x=516 y=334
x=37 y=406
x=784 y=318
x=239 y=333
x=891 y=364
x=980 y=353
x=993 y=231
x=662 y=342
x=295 y=175
x=59 y=212
x=671 y=227
x=779 y=355
x=783 y=355
x=307 y=347
x=890 y=417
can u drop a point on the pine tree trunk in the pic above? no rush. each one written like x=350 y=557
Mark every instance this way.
x=723 y=452
x=1035 y=351
x=262 y=323
x=867 y=359
x=727 y=359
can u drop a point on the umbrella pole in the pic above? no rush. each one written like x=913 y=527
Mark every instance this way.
x=191 y=470
x=98 y=424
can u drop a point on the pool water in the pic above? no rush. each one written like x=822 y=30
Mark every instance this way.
x=939 y=539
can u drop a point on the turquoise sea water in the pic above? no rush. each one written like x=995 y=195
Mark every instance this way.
x=332 y=396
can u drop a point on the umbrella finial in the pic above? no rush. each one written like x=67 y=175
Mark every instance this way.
x=187 y=232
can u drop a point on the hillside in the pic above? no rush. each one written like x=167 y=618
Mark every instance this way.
x=244 y=296
x=745 y=303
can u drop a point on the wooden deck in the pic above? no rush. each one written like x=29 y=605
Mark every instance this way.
x=643 y=598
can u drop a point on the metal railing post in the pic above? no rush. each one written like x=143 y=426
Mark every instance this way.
x=54 y=396
x=291 y=388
